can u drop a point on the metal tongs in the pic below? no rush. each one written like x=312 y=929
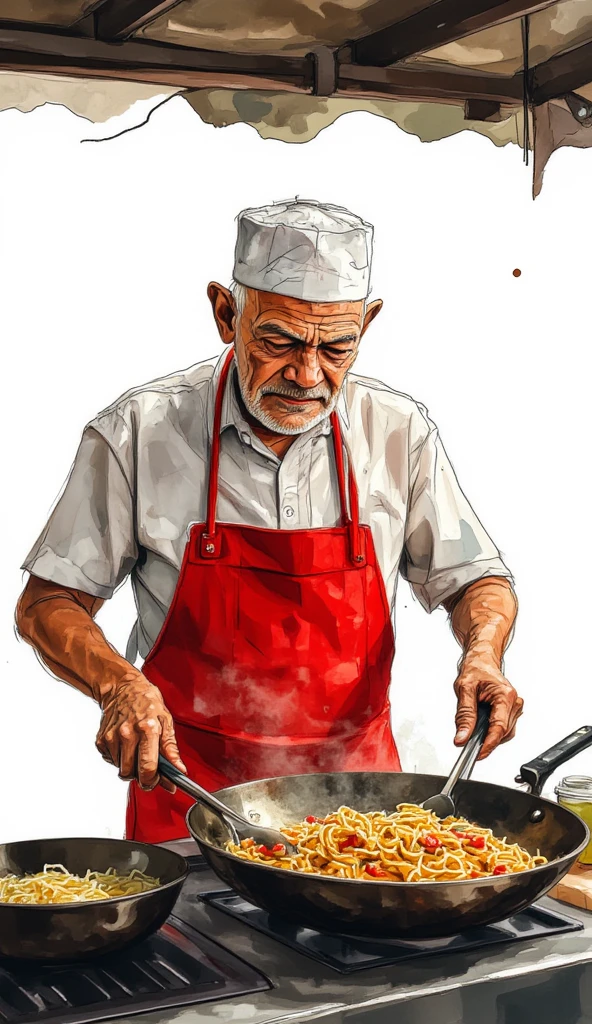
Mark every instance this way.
x=238 y=826
x=442 y=804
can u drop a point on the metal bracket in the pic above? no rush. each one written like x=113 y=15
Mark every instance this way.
x=580 y=108
x=324 y=71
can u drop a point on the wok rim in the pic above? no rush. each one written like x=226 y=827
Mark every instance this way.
x=504 y=880
x=69 y=907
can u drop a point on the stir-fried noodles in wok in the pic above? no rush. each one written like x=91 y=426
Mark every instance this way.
x=411 y=845
x=55 y=884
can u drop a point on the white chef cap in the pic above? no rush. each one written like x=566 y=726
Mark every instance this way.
x=306 y=250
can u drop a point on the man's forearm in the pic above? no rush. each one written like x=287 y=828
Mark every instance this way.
x=58 y=622
x=135 y=725
x=483 y=616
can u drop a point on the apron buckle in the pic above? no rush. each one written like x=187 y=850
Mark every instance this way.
x=209 y=545
x=357 y=546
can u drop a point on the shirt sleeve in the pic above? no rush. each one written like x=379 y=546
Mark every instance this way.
x=446 y=547
x=89 y=541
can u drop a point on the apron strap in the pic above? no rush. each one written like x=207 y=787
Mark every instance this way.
x=210 y=540
x=352 y=521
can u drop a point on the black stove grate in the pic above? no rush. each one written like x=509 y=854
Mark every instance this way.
x=196 y=862
x=347 y=954
x=176 y=967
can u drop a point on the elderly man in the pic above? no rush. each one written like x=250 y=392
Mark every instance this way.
x=264 y=504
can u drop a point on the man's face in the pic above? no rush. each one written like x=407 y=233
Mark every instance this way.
x=292 y=355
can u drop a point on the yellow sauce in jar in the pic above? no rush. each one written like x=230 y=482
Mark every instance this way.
x=575 y=794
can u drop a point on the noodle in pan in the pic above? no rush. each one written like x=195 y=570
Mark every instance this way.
x=55 y=884
x=411 y=845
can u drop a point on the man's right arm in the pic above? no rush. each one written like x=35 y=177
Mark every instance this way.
x=58 y=622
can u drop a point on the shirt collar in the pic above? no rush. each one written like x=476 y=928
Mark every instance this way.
x=232 y=415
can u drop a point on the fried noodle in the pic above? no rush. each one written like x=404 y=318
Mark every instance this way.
x=55 y=884
x=411 y=845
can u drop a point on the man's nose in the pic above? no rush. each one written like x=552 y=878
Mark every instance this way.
x=304 y=369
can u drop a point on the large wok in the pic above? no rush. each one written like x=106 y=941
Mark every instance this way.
x=417 y=910
x=75 y=931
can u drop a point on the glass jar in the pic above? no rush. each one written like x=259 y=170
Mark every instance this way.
x=575 y=793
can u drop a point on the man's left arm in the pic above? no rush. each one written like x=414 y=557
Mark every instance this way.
x=482 y=617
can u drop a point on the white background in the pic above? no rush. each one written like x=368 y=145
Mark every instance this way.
x=105 y=254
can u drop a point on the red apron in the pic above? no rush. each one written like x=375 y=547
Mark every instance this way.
x=275 y=655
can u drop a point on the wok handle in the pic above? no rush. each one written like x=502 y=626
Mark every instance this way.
x=471 y=750
x=536 y=772
x=195 y=791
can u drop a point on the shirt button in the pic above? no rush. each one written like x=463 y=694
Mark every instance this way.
x=288 y=511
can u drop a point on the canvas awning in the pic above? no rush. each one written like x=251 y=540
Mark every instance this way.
x=515 y=71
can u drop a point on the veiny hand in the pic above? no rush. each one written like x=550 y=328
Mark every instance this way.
x=135 y=727
x=480 y=680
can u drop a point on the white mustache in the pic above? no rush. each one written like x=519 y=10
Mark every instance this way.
x=320 y=393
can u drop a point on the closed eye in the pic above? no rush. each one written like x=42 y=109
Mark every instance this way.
x=285 y=341
x=336 y=351
x=276 y=347
x=336 y=354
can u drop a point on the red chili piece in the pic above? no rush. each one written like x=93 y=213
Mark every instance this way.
x=374 y=871
x=430 y=842
x=459 y=835
x=314 y=821
x=475 y=874
x=275 y=850
x=350 y=841
x=501 y=869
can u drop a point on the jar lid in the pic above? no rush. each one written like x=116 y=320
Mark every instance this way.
x=576 y=787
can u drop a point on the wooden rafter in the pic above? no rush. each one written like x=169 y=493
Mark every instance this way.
x=174 y=78
x=431 y=88
x=119 y=19
x=566 y=72
x=26 y=49
x=429 y=84
x=21 y=45
x=442 y=22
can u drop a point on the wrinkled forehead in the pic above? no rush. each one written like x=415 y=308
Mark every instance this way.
x=268 y=307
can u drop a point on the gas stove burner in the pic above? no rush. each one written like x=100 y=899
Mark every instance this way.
x=176 y=967
x=347 y=954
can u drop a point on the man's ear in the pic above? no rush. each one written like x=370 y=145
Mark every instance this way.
x=372 y=311
x=224 y=311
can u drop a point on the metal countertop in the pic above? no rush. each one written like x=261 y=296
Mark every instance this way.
x=547 y=981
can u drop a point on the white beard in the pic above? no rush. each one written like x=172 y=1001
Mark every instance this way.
x=254 y=407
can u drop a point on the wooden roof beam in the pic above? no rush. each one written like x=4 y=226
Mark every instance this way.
x=418 y=83
x=420 y=89
x=440 y=23
x=176 y=78
x=62 y=53
x=21 y=44
x=119 y=19
x=565 y=73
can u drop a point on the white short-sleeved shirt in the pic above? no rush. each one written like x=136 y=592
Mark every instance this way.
x=140 y=479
